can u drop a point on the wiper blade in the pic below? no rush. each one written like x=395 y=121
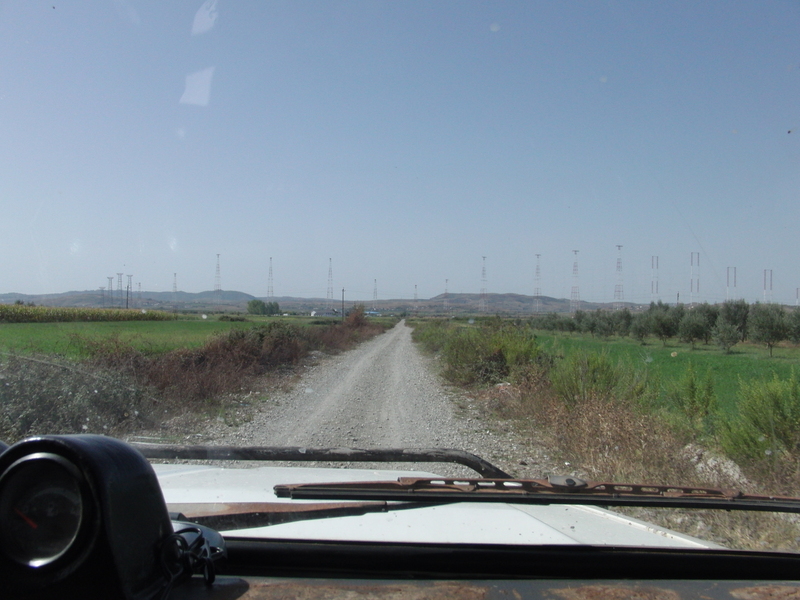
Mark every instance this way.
x=554 y=490
x=246 y=515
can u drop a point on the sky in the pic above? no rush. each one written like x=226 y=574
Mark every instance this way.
x=400 y=143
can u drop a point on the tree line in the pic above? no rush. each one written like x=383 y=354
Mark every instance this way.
x=259 y=307
x=725 y=324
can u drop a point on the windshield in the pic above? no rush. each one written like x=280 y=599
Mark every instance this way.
x=558 y=236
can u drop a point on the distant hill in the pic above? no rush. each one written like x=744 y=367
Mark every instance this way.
x=233 y=301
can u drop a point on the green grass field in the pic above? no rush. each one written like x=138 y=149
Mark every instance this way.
x=748 y=362
x=148 y=336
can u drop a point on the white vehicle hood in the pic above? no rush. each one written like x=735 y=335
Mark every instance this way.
x=475 y=523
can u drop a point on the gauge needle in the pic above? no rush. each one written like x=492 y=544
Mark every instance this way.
x=26 y=518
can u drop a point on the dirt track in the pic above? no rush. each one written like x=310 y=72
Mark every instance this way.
x=382 y=394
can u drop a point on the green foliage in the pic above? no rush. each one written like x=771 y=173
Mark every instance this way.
x=19 y=313
x=736 y=313
x=695 y=397
x=725 y=335
x=665 y=320
x=259 y=307
x=767 y=324
x=492 y=352
x=256 y=307
x=793 y=325
x=640 y=327
x=693 y=327
x=768 y=420
x=709 y=314
x=585 y=375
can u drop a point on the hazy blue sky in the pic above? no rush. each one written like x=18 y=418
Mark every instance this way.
x=403 y=140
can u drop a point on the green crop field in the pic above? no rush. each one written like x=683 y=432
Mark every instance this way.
x=747 y=362
x=148 y=336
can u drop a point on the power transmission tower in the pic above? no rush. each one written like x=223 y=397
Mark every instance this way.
x=483 y=303
x=537 y=290
x=575 y=294
x=129 y=291
x=654 y=279
x=119 y=288
x=330 y=285
x=694 y=281
x=728 y=286
x=269 y=280
x=217 y=283
x=619 y=296
x=140 y=294
x=767 y=285
x=110 y=291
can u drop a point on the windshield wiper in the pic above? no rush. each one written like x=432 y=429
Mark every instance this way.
x=245 y=515
x=554 y=490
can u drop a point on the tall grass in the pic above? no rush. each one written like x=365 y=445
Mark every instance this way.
x=18 y=313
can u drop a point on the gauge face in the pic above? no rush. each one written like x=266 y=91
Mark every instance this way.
x=41 y=509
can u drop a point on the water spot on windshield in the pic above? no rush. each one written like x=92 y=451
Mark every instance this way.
x=198 y=88
x=204 y=18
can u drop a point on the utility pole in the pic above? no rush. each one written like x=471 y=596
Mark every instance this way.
x=654 y=279
x=619 y=296
x=575 y=294
x=767 y=285
x=342 y=305
x=269 y=281
x=217 y=284
x=330 y=285
x=694 y=281
x=128 y=291
x=537 y=290
x=728 y=286
x=483 y=303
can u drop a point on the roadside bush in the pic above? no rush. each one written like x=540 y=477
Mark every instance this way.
x=52 y=395
x=767 y=423
x=695 y=398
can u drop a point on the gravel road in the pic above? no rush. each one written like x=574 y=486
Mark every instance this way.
x=383 y=394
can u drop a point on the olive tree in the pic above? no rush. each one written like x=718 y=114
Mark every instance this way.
x=767 y=324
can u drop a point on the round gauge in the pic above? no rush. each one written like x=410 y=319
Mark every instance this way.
x=42 y=509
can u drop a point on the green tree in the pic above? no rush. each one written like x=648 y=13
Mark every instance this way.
x=640 y=327
x=736 y=313
x=725 y=335
x=709 y=314
x=272 y=308
x=692 y=327
x=767 y=324
x=257 y=307
x=665 y=320
x=793 y=323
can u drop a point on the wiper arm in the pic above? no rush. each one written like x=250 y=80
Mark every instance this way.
x=245 y=515
x=554 y=490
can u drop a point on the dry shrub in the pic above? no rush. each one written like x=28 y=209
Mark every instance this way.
x=40 y=395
